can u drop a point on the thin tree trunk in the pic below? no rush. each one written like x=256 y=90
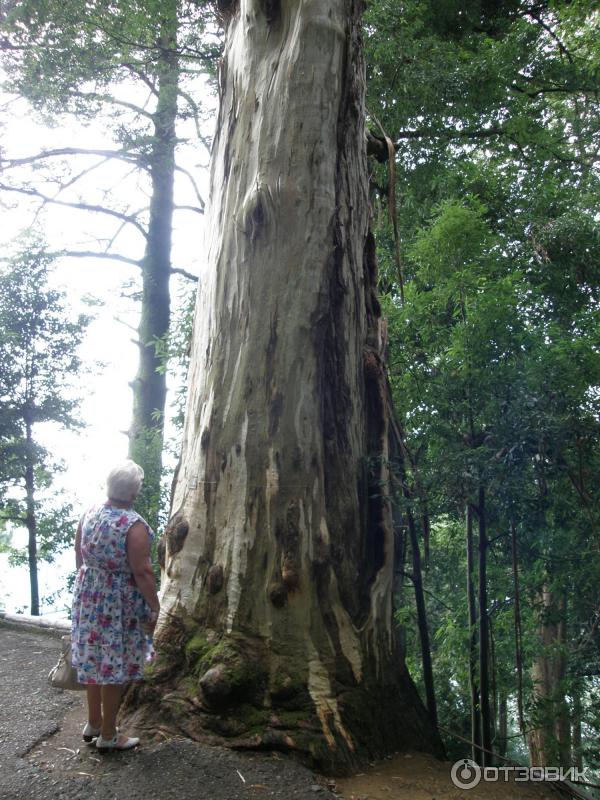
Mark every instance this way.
x=502 y=739
x=493 y=686
x=422 y=619
x=484 y=683
x=30 y=519
x=149 y=386
x=402 y=460
x=549 y=738
x=277 y=593
x=562 y=725
x=576 y=740
x=517 y=627
x=400 y=534
x=476 y=753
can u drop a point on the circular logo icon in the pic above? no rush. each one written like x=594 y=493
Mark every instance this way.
x=465 y=774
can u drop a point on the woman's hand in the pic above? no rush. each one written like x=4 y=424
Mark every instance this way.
x=150 y=624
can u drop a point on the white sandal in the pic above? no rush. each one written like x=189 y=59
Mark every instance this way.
x=90 y=733
x=116 y=743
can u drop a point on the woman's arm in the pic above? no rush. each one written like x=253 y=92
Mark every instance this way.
x=78 y=556
x=138 y=556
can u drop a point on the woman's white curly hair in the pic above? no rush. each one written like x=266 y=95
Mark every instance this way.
x=124 y=481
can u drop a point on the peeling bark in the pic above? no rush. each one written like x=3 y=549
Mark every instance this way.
x=284 y=471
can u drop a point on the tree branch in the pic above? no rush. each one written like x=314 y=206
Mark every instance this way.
x=188 y=275
x=411 y=577
x=376 y=146
x=96 y=254
x=562 y=47
x=194 y=184
x=194 y=107
x=120 y=155
x=137 y=71
x=195 y=209
x=81 y=174
x=80 y=206
x=109 y=99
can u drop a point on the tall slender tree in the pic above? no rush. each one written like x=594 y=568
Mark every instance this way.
x=128 y=62
x=40 y=366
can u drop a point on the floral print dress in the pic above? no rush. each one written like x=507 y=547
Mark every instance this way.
x=108 y=643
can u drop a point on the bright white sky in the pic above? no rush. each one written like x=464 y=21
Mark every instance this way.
x=108 y=349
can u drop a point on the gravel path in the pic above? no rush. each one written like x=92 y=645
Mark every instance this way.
x=42 y=756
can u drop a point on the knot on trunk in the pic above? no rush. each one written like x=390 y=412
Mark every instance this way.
x=214 y=580
x=258 y=212
x=176 y=532
x=278 y=593
x=216 y=685
x=230 y=671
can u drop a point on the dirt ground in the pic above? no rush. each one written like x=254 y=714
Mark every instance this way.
x=43 y=756
x=406 y=776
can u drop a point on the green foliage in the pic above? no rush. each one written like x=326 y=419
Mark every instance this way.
x=132 y=67
x=174 y=354
x=39 y=369
x=68 y=57
x=39 y=361
x=150 y=503
x=494 y=359
x=56 y=525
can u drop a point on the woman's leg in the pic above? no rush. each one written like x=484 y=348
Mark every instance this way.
x=111 y=699
x=94 y=702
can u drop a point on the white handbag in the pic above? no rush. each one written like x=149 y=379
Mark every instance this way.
x=63 y=675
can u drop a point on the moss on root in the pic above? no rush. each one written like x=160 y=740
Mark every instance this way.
x=229 y=689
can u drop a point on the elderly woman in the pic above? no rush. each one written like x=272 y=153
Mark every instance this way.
x=115 y=605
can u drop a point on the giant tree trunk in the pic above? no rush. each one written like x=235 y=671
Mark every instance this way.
x=277 y=606
x=149 y=386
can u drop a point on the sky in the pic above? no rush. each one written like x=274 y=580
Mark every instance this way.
x=108 y=350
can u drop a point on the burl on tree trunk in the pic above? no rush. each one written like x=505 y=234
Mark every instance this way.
x=277 y=627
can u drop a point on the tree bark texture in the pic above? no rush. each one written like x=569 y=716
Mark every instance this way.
x=550 y=734
x=276 y=628
x=149 y=386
